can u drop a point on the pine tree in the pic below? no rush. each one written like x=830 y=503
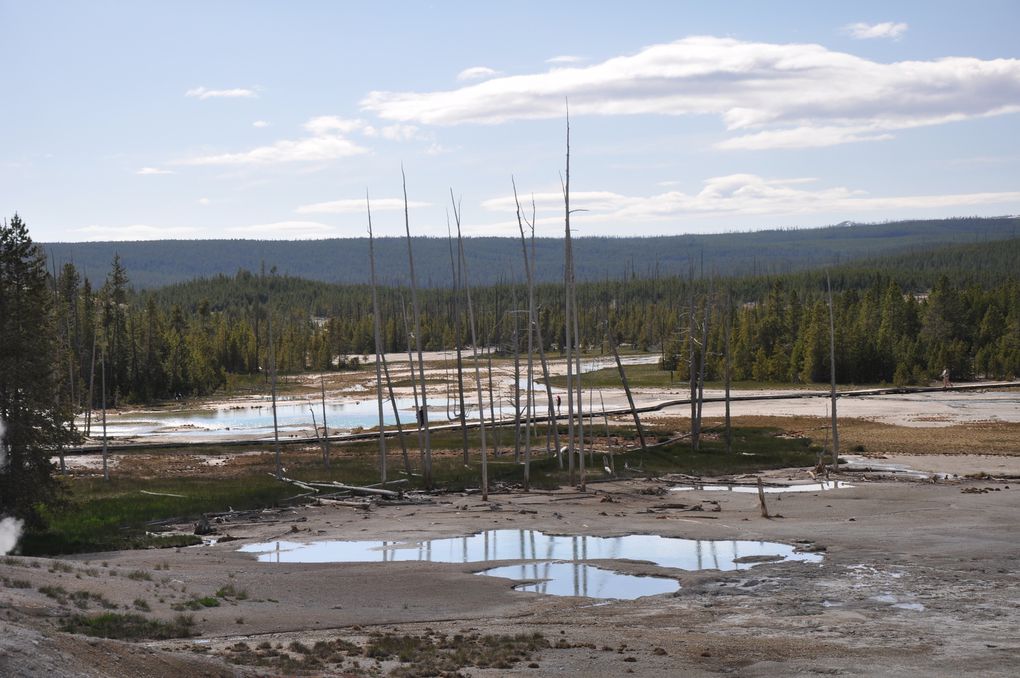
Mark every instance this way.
x=36 y=421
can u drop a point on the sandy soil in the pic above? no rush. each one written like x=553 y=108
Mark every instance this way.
x=918 y=578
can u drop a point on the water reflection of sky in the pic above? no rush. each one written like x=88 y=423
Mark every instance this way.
x=577 y=579
x=498 y=545
x=556 y=564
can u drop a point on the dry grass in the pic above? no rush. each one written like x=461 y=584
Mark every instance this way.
x=877 y=438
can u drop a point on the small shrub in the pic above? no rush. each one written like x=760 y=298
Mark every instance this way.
x=16 y=583
x=230 y=591
x=129 y=626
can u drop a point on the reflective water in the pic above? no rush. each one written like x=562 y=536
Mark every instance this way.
x=798 y=487
x=556 y=564
x=588 y=581
x=499 y=545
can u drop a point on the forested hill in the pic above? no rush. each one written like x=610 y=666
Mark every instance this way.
x=492 y=260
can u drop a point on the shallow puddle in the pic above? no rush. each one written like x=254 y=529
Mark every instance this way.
x=578 y=579
x=499 y=545
x=556 y=564
x=769 y=489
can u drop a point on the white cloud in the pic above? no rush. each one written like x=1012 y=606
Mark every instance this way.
x=477 y=73
x=153 y=170
x=780 y=95
x=399 y=132
x=565 y=59
x=204 y=201
x=887 y=29
x=740 y=195
x=135 y=232
x=327 y=142
x=284 y=230
x=325 y=124
x=260 y=124
x=357 y=206
x=235 y=93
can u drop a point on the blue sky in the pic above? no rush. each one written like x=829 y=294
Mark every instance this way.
x=141 y=120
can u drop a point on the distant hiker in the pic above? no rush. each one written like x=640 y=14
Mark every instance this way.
x=557 y=406
x=945 y=378
x=421 y=417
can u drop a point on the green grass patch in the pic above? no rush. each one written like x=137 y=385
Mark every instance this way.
x=105 y=516
x=129 y=626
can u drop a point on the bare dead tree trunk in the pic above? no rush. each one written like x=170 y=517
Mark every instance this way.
x=492 y=400
x=396 y=416
x=580 y=389
x=761 y=500
x=378 y=345
x=728 y=369
x=92 y=384
x=106 y=464
x=568 y=316
x=704 y=357
x=272 y=390
x=474 y=351
x=517 y=380
x=414 y=380
x=424 y=412
x=532 y=323
x=455 y=273
x=626 y=389
x=325 y=426
x=832 y=375
x=692 y=368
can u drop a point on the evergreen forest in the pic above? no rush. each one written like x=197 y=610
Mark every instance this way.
x=898 y=320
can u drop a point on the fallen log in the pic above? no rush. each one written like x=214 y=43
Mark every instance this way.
x=336 y=486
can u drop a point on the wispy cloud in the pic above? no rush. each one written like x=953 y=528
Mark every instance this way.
x=234 y=93
x=779 y=95
x=327 y=141
x=325 y=124
x=284 y=230
x=329 y=138
x=135 y=232
x=888 y=29
x=146 y=171
x=260 y=124
x=397 y=132
x=741 y=195
x=564 y=59
x=477 y=73
x=357 y=206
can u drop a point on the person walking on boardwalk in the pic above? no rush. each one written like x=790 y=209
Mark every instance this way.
x=945 y=378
